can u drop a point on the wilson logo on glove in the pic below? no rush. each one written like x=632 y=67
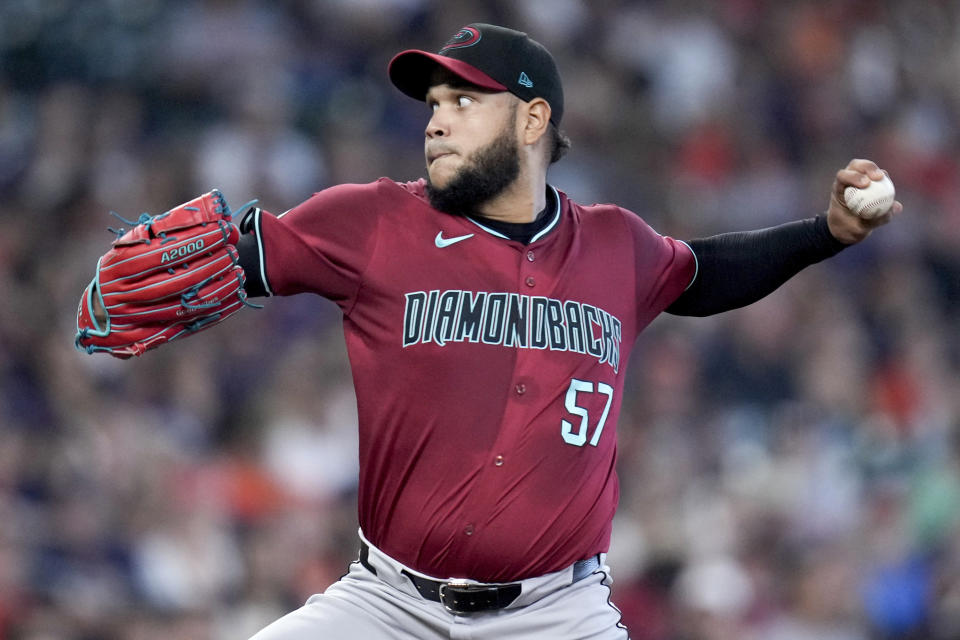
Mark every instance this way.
x=182 y=252
x=135 y=303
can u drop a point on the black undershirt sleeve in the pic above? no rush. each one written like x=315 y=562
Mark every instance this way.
x=737 y=269
x=249 y=259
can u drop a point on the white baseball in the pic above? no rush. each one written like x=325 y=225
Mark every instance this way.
x=871 y=201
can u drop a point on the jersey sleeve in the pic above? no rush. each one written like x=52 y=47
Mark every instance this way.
x=321 y=246
x=664 y=267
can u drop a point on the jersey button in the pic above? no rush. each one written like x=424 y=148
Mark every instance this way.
x=531 y=256
x=468 y=530
x=521 y=388
x=498 y=461
x=530 y=281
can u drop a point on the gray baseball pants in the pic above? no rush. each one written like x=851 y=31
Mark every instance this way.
x=387 y=606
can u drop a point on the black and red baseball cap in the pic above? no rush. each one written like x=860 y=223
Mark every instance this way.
x=490 y=57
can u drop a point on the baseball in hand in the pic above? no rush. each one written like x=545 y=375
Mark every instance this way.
x=871 y=201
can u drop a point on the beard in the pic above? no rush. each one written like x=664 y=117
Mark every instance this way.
x=486 y=174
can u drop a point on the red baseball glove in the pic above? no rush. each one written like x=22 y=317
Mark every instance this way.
x=170 y=276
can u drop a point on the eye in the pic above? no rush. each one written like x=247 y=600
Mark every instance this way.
x=433 y=106
x=463 y=101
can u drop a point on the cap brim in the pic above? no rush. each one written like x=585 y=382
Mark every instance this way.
x=411 y=71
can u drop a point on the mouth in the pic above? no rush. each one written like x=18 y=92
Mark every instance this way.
x=436 y=155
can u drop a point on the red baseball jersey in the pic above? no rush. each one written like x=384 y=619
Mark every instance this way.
x=489 y=374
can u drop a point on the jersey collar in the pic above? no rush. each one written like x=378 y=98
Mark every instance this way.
x=540 y=234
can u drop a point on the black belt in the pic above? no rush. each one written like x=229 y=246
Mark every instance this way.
x=465 y=597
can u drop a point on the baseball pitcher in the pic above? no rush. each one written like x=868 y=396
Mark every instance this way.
x=489 y=321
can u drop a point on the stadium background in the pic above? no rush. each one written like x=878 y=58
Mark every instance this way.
x=790 y=470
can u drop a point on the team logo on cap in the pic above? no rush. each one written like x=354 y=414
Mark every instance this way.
x=466 y=37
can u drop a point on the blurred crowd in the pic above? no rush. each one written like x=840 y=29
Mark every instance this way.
x=790 y=471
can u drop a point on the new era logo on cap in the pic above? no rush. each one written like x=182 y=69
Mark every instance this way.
x=490 y=57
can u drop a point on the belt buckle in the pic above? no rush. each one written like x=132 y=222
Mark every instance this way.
x=456 y=584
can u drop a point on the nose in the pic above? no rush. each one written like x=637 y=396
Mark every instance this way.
x=437 y=126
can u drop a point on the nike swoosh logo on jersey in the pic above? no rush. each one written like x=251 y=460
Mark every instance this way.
x=442 y=242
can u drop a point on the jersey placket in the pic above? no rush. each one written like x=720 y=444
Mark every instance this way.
x=498 y=471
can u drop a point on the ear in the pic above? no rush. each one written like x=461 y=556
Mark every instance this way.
x=536 y=120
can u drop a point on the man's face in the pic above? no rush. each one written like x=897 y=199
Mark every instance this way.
x=470 y=146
